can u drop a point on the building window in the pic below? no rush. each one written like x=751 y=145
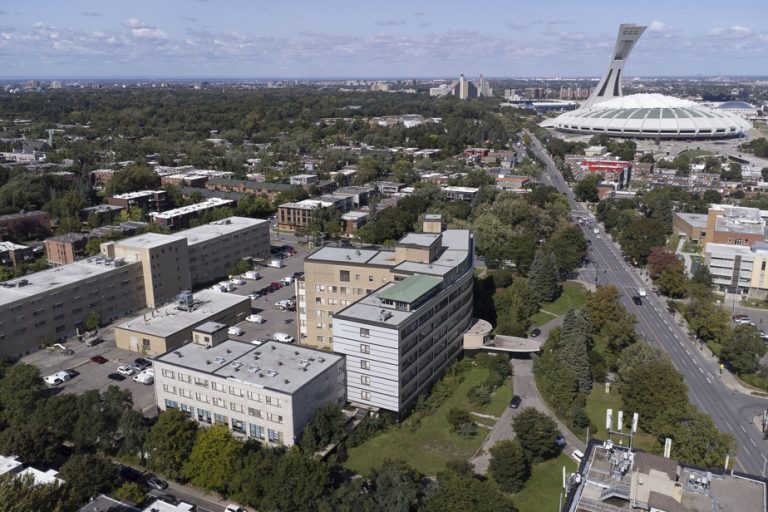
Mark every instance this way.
x=167 y=373
x=219 y=418
x=204 y=416
x=201 y=382
x=344 y=276
x=236 y=407
x=169 y=389
x=365 y=333
x=365 y=365
x=219 y=402
x=256 y=431
x=365 y=349
x=254 y=412
x=275 y=436
x=370 y=279
x=365 y=395
x=276 y=418
x=275 y=402
x=187 y=409
x=171 y=404
x=365 y=380
x=201 y=398
x=238 y=426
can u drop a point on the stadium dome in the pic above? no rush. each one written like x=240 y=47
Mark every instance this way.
x=650 y=116
x=735 y=105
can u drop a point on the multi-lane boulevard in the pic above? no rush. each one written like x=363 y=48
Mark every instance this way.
x=732 y=411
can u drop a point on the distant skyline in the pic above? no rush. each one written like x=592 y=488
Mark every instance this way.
x=360 y=39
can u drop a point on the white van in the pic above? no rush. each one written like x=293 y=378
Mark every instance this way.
x=276 y=263
x=252 y=274
x=577 y=455
x=285 y=338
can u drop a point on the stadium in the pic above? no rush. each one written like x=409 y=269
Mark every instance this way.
x=655 y=116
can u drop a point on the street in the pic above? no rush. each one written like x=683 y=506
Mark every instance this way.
x=731 y=411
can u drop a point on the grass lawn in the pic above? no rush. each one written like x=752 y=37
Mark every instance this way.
x=696 y=153
x=672 y=241
x=542 y=491
x=574 y=295
x=597 y=402
x=432 y=444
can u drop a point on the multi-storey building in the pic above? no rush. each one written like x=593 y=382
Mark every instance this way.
x=271 y=190
x=400 y=338
x=267 y=393
x=170 y=326
x=180 y=217
x=737 y=225
x=20 y=225
x=147 y=200
x=739 y=268
x=192 y=257
x=65 y=249
x=12 y=254
x=48 y=306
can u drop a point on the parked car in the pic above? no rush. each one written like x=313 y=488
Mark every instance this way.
x=157 y=483
x=116 y=377
x=128 y=473
x=140 y=361
x=298 y=274
x=535 y=333
x=126 y=370
x=560 y=440
x=286 y=281
x=577 y=455
x=233 y=508
x=276 y=285
x=146 y=377
x=285 y=338
x=254 y=295
x=637 y=300
x=515 y=402
x=235 y=331
x=237 y=281
x=257 y=319
x=739 y=316
x=55 y=379
x=92 y=341
x=289 y=249
x=99 y=359
x=258 y=341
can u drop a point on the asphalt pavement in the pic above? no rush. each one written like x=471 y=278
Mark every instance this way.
x=732 y=412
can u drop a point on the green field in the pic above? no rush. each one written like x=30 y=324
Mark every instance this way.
x=696 y=153
x=574 y=295
x=432 y=444
x=542 y=492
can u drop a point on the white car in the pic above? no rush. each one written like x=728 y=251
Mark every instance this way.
x=285 y=338
x=235 y=331
x=257 y=319
x=146 y=377
x=641 y=292
x=57 y=378
x=287 y=280
x=237 y=282
x=126 y=370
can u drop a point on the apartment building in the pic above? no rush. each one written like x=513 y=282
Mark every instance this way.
x=736 y=225
x=19 y=225
x=399 y=338
x=739 y=268
x=303 y=179
x=51 y=305
x=271 y=190
x=66 y=249
x=170 y=326
x=466 y=194
x=267 y=393
x=12 y=255
x=352 y=221
x=147 y=200
x=193 y=257
x=179 y=217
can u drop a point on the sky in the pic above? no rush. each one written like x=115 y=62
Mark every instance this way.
x=375 y=39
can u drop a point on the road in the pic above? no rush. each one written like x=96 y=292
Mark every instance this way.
x=731 y=411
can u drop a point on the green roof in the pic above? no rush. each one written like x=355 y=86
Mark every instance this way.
x=410 y=288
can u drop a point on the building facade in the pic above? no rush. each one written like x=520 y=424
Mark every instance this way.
x=48 y=306
x=267 y=393
x=21 y=224
x=65 y=249
x=12 y=255
x=179 y=218
x=739 y=268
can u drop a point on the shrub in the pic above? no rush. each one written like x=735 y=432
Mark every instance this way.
x=479 y=395
x=458 y=417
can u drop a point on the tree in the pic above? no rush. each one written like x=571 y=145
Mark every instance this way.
x=696 y=439
x=764 y=173
x=242 y=266
x=569 y=247
x=133 y=430
x=397 y=487
x=92 y=321
x=537 y=433
x=89 y=475
x=743 y=349
x=460 y=421
x=585 y=189
x=307 y=479
x=573 y=347
x=733 y=173
x=327 y=426
x=458 y=493
x=705 y=318
x=509 y=466
x=514 y=306
x=212 y=458
x=24 y=494
x=130 y=491
x=673 y=282
x=653 y=388
x=702 y=276
x=20 y=390
x=659 y=259
x=133 y=178
x=34 y=443
x=543 y=277
x=640 y=236
x=170 y=442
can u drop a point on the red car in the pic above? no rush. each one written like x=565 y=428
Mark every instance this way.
x=289 y=249
x=99 y=359
x=276 y=285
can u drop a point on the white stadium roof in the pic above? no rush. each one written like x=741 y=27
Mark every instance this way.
x=650 y=116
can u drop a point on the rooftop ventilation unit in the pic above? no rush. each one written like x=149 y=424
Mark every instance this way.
x=177 y=353
x=271 y=373
x=220 y=360
x=236 y=365
x=321 y=359
x=253 y=368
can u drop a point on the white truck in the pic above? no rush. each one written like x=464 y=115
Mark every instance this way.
x=252 y=274
x=276 y=263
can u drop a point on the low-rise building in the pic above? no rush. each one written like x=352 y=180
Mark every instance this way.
x=508 y=182
x=271 y=190
x=180 y=217
x=352 y=221
x=693 y=226
x=48 y=306
x=361 y=195
x=291 y=216
x=66 y=249
x=303 y=179
x=727 y=224
x=12 y=255
x=169 y=327
x=738 y=268
x=266 y=392
x=24 y=224
x=389 y=188
x=466 y=194
x=147 y=200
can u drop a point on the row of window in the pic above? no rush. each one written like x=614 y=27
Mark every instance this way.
x=255 y=431
x=216 y=386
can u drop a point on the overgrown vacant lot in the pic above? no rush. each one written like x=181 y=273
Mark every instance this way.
x=430 y=445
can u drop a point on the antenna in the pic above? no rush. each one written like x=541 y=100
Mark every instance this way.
x=620 y=421
x=609 y=419
x=634 y=423
x=667 y=447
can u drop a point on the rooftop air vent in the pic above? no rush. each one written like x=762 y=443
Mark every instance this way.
x=253 y=368
x=272 y=373
x=286 y=381
x=208 y=361
x=177 y=353
x=321 y=359
x=279 y=363
x=220 y=360
x=236 y=365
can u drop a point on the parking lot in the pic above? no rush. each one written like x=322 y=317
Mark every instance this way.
x=92 y=375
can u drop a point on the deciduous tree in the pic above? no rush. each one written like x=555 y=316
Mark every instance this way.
x=170 y=442
x=212 y=458
x=509 y=465
x=537 y=433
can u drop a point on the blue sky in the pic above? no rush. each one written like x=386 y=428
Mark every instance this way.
x=386 y=38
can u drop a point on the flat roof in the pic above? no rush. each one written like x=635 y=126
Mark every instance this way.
x=354 y=215
x=307 y=204
x=9 y=463
x=49 y=280
x=149 y=240
x=219 y=228
x=292 y=365
x=138 y=194
x=697 y=220
x=410 y=288
x=211 y=202
x=169 y=320
x=342 y=255
x=419 y=239
x=104 y=503
x=10 y=246
x=210 y=327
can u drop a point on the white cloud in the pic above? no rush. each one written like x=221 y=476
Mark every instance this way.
x=134 y=23
x=735 y=31
x=658 y=26
x=149 y=33
x=390 y=23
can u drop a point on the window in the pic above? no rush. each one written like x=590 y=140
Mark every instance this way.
x=238 y=426
x=254 y=412
x=256 y=431
x=365 y=395
x=370 y=279
x=343 y=290
x=236 y=391
x=273 y=401
x=235 y=407
x=256 y=397
x=365 y=380
x=318 y=300
x=365 y=365
x=274 y=417
x=183 y=377
x=201 y=398
x=365 y=333
x=204 y=416
x=167 y=373
x=187 y=409
x=365 y=349
x=146 y=344
x=171 y=404
x=201 y=382
x=274 y=436
x=218 y=418
x=344 y=276
x=169 y=389
x=219 y=402
x=357 y=277
x=185 y=393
